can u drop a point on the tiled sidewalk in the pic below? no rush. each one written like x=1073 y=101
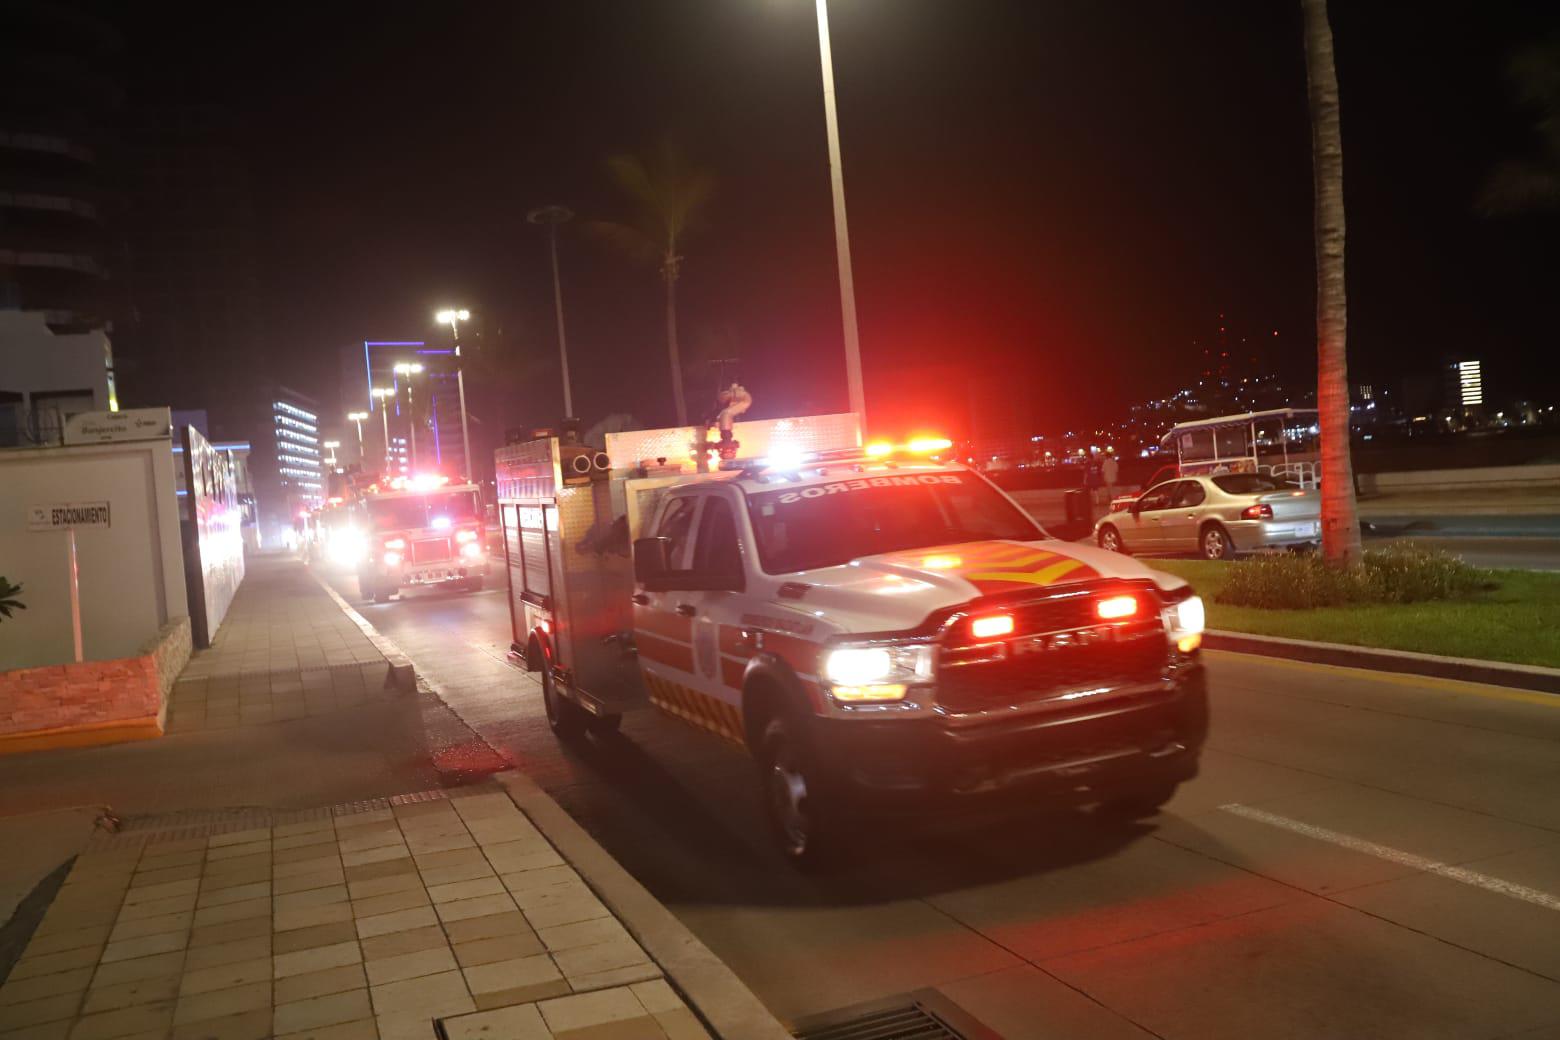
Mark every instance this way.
x=370 y=920
x=285 y=650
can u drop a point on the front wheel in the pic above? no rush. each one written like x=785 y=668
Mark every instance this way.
x=1110 y=539
x=566 y=719
x=795 y=809
x=367 y=591
x=1215 y=543
x=604 y=725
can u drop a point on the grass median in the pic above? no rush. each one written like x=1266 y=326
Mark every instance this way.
x=1517 y=620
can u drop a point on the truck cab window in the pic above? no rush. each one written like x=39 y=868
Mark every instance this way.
x=716 y=551
x=677 y=526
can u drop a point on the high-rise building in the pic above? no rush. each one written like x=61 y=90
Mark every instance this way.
x=286 y=460
x=58 y=93
x=1465 y=386
x=433 y=394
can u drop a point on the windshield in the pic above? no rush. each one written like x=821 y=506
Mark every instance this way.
x=829 y=524
x=417 y=511
x=1248 y=484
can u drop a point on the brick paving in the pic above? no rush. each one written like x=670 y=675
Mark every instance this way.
x=284 y=651
x=368 y=920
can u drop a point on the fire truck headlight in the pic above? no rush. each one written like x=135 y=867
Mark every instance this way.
x=854 y=665
x=347 y=547
x=1186 y=621
x=863 y=674
x=470 y=550
x=392 y=559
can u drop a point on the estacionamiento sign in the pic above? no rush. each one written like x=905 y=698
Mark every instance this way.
x=62 y=515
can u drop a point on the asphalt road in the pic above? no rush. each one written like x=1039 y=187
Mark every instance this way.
x=1364 y=855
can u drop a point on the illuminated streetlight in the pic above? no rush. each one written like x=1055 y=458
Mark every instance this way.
x=410 y=369
x=357 y=418
x=384 y=393
x=331 y=446
x=453 y=318
x=858 y=401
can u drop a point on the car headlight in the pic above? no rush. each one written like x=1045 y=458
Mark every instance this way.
x=866 y=674
x=1185 y=621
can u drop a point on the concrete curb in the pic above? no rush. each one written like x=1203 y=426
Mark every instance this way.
x=710 y=988
x=400 y=674
x=1490 y=673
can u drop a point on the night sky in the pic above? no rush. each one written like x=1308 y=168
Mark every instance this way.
x=1057 y=198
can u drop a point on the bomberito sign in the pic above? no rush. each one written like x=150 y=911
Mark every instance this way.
x=130 y=424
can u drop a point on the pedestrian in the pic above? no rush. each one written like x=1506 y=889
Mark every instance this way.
x=1092 y=480
x=1111 y=470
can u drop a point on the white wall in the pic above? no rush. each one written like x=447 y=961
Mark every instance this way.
x=34 y=360
x=132 y=573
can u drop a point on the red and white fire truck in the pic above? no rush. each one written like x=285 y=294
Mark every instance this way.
x=871 y=624
x=421 y=530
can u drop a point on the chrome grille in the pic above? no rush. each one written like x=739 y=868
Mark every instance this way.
x=433 y=550
x=1059 y=648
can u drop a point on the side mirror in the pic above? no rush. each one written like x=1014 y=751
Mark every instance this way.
x=1136 y=507
x=650 y=560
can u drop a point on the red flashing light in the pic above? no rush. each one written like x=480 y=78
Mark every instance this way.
x=1116 y=607
x=991 y=627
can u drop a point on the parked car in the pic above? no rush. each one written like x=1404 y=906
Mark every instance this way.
x=1215 y=517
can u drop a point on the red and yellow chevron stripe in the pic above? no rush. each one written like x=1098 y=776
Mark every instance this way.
x=692 y=706
x=998 y=566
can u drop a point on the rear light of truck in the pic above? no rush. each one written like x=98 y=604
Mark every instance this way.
x=1257 y=512
x=1114 y=608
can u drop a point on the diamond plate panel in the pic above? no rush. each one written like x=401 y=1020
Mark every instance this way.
x=757 y=439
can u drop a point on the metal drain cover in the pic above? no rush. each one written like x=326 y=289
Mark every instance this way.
x=926 y=1015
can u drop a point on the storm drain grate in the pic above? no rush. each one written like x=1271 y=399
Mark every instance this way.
x=911 y=1022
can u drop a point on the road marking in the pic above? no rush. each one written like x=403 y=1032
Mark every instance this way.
x=1407 y=859
x=1422 y=682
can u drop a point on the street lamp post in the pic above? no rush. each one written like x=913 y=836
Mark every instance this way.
x=858 y=401
x=331 y=447
x=453 y=318
x=357 y=419
x=410 y=369
x=552 y=216
x=384 y=393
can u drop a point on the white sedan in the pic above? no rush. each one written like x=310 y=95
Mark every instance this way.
x=1214 y=517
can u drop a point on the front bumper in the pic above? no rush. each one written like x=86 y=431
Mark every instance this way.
x=1076 y=753
x=431 y=574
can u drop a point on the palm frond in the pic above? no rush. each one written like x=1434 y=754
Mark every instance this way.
x=626 y=239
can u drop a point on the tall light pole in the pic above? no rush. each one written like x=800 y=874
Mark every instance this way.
x=331 y=447
x=384 y=393
x=858 y=401
x=453 y=318
x=552 y=216
x=410 y=369
x=357 y=418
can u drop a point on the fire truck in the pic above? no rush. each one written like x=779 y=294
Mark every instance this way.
x=876 y=626
x=422 y=530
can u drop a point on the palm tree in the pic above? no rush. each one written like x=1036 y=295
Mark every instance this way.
x=1340 y=518
x=667 y=196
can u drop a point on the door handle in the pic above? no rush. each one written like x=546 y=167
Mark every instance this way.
x=687 y=609
x=640 y=598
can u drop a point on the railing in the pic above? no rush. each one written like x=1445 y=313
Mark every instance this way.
x=1302 y=473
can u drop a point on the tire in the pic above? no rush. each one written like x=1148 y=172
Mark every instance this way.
x=1110 y=540
x=566 y=719
x=1214 y=543
x=603 y=725
x=1139 y=804
x=795 y=812
x=366 y=589
x=474 y=584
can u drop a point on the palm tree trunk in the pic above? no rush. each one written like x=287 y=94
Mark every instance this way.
x=1340 y=520
x=671 y=345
